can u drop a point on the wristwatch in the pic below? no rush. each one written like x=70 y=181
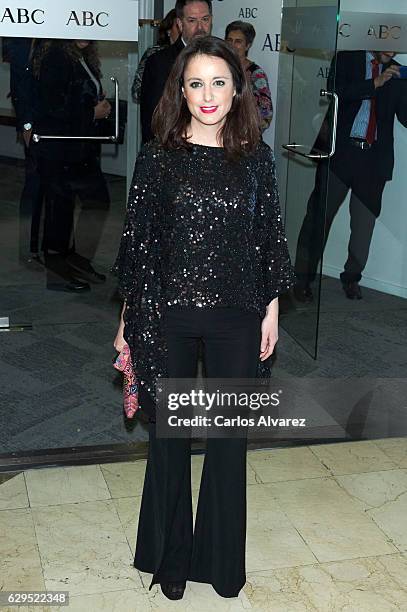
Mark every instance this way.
x=27 y=127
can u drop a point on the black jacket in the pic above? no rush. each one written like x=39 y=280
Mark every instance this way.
x=66 y=100
x=21 y=88
x=391 y=101
x=156 y=73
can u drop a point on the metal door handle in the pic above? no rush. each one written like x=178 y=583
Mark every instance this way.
x=113 y=138
x=295 y=148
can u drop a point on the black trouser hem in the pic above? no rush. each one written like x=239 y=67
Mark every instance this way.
x=163 y=579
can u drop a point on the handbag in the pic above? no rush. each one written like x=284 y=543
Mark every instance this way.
x=123 y=364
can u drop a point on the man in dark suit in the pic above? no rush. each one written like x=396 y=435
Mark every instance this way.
x=194 y=18
x=371 y=94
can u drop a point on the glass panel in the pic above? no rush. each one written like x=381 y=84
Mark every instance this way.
x=308 y=47
x=372 y=219
x=384 y=278
x=362 y=192
x=67 y=197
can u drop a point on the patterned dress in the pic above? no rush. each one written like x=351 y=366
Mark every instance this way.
x=138 y=77
x=261 y=91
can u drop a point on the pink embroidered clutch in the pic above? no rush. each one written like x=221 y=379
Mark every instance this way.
x=130 y=386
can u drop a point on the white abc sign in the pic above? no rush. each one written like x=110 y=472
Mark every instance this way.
x=89 y=20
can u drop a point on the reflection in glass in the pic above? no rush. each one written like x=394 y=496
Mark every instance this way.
x=67 y=197
x=303 y=120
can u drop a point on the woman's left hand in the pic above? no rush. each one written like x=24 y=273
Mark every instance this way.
x=269 y=330
x=102 y=109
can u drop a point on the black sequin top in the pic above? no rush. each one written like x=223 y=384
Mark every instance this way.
x=199 y=231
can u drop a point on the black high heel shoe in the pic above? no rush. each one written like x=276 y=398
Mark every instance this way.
x=173 y=590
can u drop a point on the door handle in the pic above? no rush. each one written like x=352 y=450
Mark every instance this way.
x=295 y=148
x=113 y=138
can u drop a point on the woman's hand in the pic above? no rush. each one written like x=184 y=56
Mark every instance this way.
x=269 y=330
x=102 y=109
x=119 y=342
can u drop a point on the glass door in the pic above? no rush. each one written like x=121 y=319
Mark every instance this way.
x=68 y=141
x=305 y=142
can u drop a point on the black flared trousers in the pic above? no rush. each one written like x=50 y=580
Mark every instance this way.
x=167 y=545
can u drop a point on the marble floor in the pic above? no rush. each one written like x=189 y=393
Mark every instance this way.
x=327 y=531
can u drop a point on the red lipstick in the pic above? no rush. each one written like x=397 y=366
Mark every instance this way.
x=208 y=109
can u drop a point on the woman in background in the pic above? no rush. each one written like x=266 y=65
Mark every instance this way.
x=168 y=33
x=241 y=35
x=71 y=102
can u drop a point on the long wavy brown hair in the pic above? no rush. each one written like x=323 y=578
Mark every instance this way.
x=240 y=133
x=89 y=54
x=165 y=25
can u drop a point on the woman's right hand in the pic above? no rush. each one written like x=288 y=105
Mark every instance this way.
x=119 y=342
x=102 y=109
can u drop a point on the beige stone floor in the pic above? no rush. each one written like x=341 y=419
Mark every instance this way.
x=327 y=531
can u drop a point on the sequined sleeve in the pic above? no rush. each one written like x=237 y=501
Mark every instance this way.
x=278 y=274
x=139 y=238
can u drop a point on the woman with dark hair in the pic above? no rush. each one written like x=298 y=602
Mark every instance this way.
x=168 y=33
x=203 y=257
x=71 y=102
x=241 y=35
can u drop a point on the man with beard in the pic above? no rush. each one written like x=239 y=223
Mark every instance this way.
x=371 y=95
x=194 y=18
